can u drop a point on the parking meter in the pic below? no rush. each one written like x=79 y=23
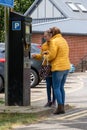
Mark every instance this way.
x=18 y=60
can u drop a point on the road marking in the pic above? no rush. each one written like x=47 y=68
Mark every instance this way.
x=80 y=85
x=74 y=115
x=79 y=116
x=75 y=89
x=33 y=100
x=35 y=96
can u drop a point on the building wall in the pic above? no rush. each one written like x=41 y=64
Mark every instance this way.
x=36 y=38
x=77 y=45
x=78 y=48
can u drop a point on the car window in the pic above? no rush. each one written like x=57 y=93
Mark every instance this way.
x=35 y=48
x=2 y=47
x=2 y=50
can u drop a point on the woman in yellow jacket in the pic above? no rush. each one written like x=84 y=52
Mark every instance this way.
x=44 y=48
x=58 y=56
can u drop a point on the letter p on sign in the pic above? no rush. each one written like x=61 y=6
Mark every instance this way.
x=16 y=25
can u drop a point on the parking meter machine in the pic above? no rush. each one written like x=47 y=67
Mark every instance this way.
x=18 y=60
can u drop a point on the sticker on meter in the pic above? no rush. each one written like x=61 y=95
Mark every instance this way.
x=16 y=25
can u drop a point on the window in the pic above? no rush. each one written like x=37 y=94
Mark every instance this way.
x=82 y=7
x=73 y=6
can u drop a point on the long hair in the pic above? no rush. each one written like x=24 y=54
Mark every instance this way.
x=54 y=31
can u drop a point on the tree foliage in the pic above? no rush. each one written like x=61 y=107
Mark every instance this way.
x=1 y=23
x=19 y=6
x=22 y=5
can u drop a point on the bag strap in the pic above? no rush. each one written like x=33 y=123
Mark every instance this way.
x=44 y=61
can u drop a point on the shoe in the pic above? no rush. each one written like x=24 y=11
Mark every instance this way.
x=53 y=104
x=59 y=112
x=60 y=109
x=48 y=104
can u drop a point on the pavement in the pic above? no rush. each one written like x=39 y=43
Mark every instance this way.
x=38 y=96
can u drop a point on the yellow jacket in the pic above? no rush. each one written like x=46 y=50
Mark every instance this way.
x=58 y=53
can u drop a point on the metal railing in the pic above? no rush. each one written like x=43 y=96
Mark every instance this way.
x=82 y=66
x=42 y=20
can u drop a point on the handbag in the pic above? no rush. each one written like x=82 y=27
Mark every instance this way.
x=45 y=70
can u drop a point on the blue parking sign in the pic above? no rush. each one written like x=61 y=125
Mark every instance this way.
x=9 y=3
x=16 y=25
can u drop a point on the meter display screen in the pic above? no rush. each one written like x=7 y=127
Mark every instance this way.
x=27 y=29
x=27 y=33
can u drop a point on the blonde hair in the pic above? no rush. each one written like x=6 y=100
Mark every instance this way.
x=54 y=31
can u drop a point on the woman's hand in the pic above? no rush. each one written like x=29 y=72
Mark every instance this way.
x=45 y=52
x=34 y=56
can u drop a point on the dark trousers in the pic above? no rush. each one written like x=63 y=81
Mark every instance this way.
x=50 y=91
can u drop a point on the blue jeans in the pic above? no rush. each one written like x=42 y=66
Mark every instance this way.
x=59 y=79
x=49 y=89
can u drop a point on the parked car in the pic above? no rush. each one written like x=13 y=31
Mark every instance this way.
x=35 y=65
x=2 y=61
x=72 y=68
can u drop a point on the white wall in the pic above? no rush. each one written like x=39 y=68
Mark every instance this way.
x=45 y=10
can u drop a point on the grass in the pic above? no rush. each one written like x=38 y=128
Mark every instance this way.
x=2 y=102
x=10 y=120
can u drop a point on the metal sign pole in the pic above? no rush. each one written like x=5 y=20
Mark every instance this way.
x=6 y=12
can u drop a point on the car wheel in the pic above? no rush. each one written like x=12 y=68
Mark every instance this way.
x=33 y=78
x=1 y=84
